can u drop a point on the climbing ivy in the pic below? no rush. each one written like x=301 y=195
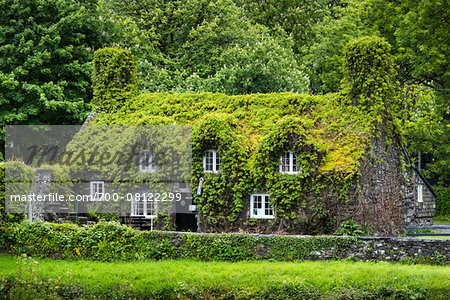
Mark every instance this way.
x=290 y=193
x=223 y=195
x=331 y=134
x=369 y=82
x=114 y=78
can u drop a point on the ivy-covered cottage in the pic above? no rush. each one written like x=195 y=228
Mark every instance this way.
x=281 y=162
x=286 y=162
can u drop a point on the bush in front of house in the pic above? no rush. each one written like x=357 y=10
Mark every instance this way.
x=349 y=227
x=108 y=241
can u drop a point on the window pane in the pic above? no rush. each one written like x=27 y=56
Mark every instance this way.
x=268 y=208
x=294 y=162
x=209 y=161
x=143 y=159
x=285 y=162
x=97 y=189
x=146 y=161
x=140 y=208
x=217 y=161
x=151 y=162
x=258 y=203
x=150 y=208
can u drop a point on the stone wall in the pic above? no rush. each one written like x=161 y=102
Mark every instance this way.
x=394 y=248
x=41 y=185
x=380 y=188
x=425 y=208
x=364 y=249
x=388 y=198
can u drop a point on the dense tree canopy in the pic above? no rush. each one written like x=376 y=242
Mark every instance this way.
x=45 y=53
x=417 y=31
x=204 y=45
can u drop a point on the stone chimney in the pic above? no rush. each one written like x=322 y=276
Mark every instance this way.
x=114 y=78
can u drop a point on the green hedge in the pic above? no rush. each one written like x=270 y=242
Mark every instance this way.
x=2 y=190
x=108 y=241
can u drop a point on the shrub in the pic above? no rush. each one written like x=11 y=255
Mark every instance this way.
x=108 y=241
x=349 y=227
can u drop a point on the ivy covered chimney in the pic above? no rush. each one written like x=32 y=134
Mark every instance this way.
x=369 y=75
x=369 y=84
x=114 y=78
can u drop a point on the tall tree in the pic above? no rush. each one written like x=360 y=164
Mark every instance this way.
x=45 y=53
x=192 y=43
x=296 y=17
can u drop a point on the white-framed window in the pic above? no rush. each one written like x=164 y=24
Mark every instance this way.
x=260 y=207
x=142 y=207
x=147 y=162
x=419 y=193
x=288 y=163
x=211 y=161
x=97 y=190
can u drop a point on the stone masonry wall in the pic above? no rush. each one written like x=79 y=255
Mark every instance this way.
x=394 y=248
x=365 y=248
x=381 y=186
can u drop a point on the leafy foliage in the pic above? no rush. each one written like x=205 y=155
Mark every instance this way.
x=114 y=78
x=349 y=227
x=235 y=126
x=296 y=17
x=417 y=31
x=2 y=190
x=208 y=46
x=108 y=241
x=223 y=195
x=228 y=46
x=236 y=47
x=423 y=41
x=18 y=177
x=328 y=133
x=45 y=53
x=291 y=194
x=252 y=69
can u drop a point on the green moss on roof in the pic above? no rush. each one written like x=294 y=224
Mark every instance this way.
x=336 y=127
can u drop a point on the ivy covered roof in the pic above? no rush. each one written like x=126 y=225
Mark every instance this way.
x=335 y=128
x=332 y=130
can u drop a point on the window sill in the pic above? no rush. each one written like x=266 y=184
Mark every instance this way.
x=144 y=217
x=263 y=217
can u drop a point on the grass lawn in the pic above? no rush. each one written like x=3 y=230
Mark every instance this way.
x=441 y=220
x=149 y=278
